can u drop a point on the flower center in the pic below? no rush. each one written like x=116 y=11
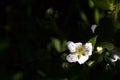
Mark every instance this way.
x=81 y=51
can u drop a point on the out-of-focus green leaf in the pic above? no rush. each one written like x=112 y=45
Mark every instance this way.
x=56 y=44
x=3 y=46
x=93 y=40
x=64 y=45
x=107 y=45
x=84 y=17
x=96 y=16
x=17 y=76
x=49 y=11
x=91 y=3
x=49 y=47
x=41 y=73
x=104 y=4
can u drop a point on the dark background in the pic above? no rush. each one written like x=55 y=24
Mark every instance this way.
x=26 y=31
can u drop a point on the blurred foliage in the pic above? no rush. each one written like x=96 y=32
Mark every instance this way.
x=33 y=36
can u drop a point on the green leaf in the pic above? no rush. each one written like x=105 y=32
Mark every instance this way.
x=100 y=59
x=93 y=40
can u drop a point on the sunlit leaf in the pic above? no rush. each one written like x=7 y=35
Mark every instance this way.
x=93 y=40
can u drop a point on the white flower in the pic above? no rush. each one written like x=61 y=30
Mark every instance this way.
x=115 y=54
x=93 y=27
x=79 y=53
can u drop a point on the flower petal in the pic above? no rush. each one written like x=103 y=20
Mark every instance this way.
x=115 y=54
x=93 y=27
x=79 y=44
x=89 y=48
x=72 y=58
x=83 y=59
x=71 y=46
x=115 y=58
